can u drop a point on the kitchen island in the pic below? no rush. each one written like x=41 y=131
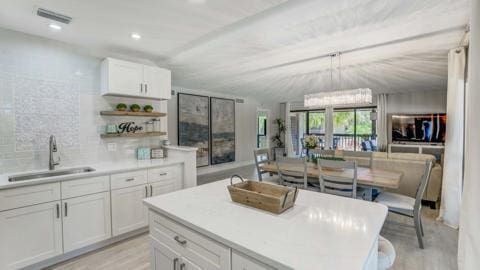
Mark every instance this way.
x=201 y=228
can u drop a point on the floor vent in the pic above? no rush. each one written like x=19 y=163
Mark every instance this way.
x=53 y=16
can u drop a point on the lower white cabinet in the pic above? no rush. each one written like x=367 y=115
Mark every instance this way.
x=128 y=211
x=243 y=262
x=166 y=186
x=30 y=234
x=86 y=220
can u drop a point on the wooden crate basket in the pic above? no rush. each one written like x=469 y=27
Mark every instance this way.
x=268 y=197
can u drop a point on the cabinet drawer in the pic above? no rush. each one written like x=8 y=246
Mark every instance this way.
x=164 y=173
x=25 y=196
x=243 y=262
x=85 y=186
x=205 y=252
x=128 y=179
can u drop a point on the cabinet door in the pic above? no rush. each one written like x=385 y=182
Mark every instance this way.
x=165 y=186
x=128 y=211
x=86 y=220
x=162 y=257
x=125 y=78
x=158 y=82
x=30 y=235
x=188 y=265
x=242 y=262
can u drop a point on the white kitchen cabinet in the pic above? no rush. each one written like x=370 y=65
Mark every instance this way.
x=128 y=211
x=30 y=234
x=243 y=262
x=157 y=82
x=123 y=78
x=200 y=251
x=162 y=257
x=86 y=220
x=185 y=264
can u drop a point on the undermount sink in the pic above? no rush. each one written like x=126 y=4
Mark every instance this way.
x=45 y=174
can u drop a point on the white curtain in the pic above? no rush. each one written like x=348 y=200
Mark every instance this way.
x=329 y=127
x=469 y=236
x=382 y=133
x=288 y=131
x=453 y=162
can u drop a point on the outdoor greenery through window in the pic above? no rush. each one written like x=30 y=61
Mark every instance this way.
x=350 y=127
x=262 y=131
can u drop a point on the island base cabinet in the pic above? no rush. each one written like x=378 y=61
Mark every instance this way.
x=86 y=220
x=162 y=257
x=30 y=234
x=243 y=262
x=128 y=211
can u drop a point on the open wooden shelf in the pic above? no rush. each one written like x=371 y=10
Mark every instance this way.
x=125 y=113
x=134 y=135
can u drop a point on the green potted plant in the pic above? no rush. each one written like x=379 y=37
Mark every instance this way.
x=277 y=138
x=135 y=107
x=148 y=108
x=121 y=107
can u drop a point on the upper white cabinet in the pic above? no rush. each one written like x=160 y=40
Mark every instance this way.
x=123 y=78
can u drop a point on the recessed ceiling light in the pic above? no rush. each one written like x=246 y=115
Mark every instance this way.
x=55 y=27
x=135 y=36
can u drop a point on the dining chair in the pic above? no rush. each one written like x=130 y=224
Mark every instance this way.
x=261 y=156
x=408 y=206
x=337 y=182
x=386 y=254
x=365 y=159
x=292 y=177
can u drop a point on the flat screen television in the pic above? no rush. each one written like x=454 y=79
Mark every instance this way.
x=419 y=128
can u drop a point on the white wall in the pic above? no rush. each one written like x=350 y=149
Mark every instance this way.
x=245 y=126
x=48 y=87
x=418 y=102
x=469 y=236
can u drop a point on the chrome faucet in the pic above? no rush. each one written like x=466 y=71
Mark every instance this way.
x=53 y=149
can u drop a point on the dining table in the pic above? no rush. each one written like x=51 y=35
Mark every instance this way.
x=367 y=178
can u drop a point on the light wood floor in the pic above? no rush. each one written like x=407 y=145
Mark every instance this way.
x=440 y=251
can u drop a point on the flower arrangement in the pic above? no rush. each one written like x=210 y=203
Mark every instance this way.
x=311 y=141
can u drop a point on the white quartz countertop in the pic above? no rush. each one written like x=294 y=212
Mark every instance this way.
x=100 y=169
x=320 y=232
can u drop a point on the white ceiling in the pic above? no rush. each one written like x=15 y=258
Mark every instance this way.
x=267 y=49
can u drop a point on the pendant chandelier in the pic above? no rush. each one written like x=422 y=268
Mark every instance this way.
x=340 y=97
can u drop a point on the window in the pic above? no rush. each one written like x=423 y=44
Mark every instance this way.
x=262 y=141
x=316 y=123
x=351 y=127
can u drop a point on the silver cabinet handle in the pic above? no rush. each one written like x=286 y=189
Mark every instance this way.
x=146 y=191
x=129 y=179
x=146 y=88
x=141 y=88
x=182 y=266
x=58 y=210
x=175 y=261
x=180 y=241
x=66 y=209
x=151 y=190
x=163 y=174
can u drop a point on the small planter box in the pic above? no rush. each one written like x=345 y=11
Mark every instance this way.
x=269 y=197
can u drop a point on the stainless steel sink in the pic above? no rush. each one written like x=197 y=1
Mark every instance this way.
x=45 y=174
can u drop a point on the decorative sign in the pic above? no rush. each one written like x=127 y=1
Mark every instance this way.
x=129 y=127
x=158 y=153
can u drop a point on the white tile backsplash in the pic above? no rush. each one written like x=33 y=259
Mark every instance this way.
x=48 y=88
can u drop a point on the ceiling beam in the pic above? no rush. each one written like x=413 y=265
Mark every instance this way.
x=243 y=23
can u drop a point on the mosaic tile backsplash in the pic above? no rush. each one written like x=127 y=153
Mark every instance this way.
x=49 y=88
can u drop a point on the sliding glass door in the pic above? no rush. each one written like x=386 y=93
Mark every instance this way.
x=351 y=127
